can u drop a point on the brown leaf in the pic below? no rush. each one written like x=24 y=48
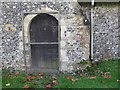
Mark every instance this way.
x=48 y=85
x=31 y=72
x=92 y=77
x=40 y=74
x=17 y=73
x=29 y=78
x=69 y=77
x=81 y=74
x=32 y=77
x=26 y=86
x=107 y=76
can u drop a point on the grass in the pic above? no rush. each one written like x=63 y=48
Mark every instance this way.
x=0 y=79
x=19 y=79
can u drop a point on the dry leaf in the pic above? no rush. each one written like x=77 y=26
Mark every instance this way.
x=118 y=80
x=39 y=77
x=8 y=84
x=40 y=74
x=69 y=77
x=26 y=86
x=107 y=76
x=29 y=78
x=17 y=73
x=92 y=77
x=32 y=77
x=48 y=85
x=55 y=82
x=54 y=77
x=73 y=80
x=81 y=74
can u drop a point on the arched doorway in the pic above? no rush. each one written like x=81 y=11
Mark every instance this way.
x=44 y=43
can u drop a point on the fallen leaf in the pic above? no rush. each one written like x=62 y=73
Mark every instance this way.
x=29 y=78
x=17 y=73
x=74 y=79
x=118 y=80
x=98 y=71
x=48 y=85
x=40 y=74
x=32 y=77
x=107 y=73
x=69 y=77
x=8 y=84
x=81 y=74
x=54 y=77
x=31 y=72
x=92 y=77
x=107 y=76
x=55 y=82
x=26 y=86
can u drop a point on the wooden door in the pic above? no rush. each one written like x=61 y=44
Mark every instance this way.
x=44 y=43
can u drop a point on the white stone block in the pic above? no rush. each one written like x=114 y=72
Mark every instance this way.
x=63 y=55
x=21 y=33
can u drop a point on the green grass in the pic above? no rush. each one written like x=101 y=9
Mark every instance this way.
x=0 y=79
x=17 y=81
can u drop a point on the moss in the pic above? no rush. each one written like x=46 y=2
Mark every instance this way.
x=107 y=4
